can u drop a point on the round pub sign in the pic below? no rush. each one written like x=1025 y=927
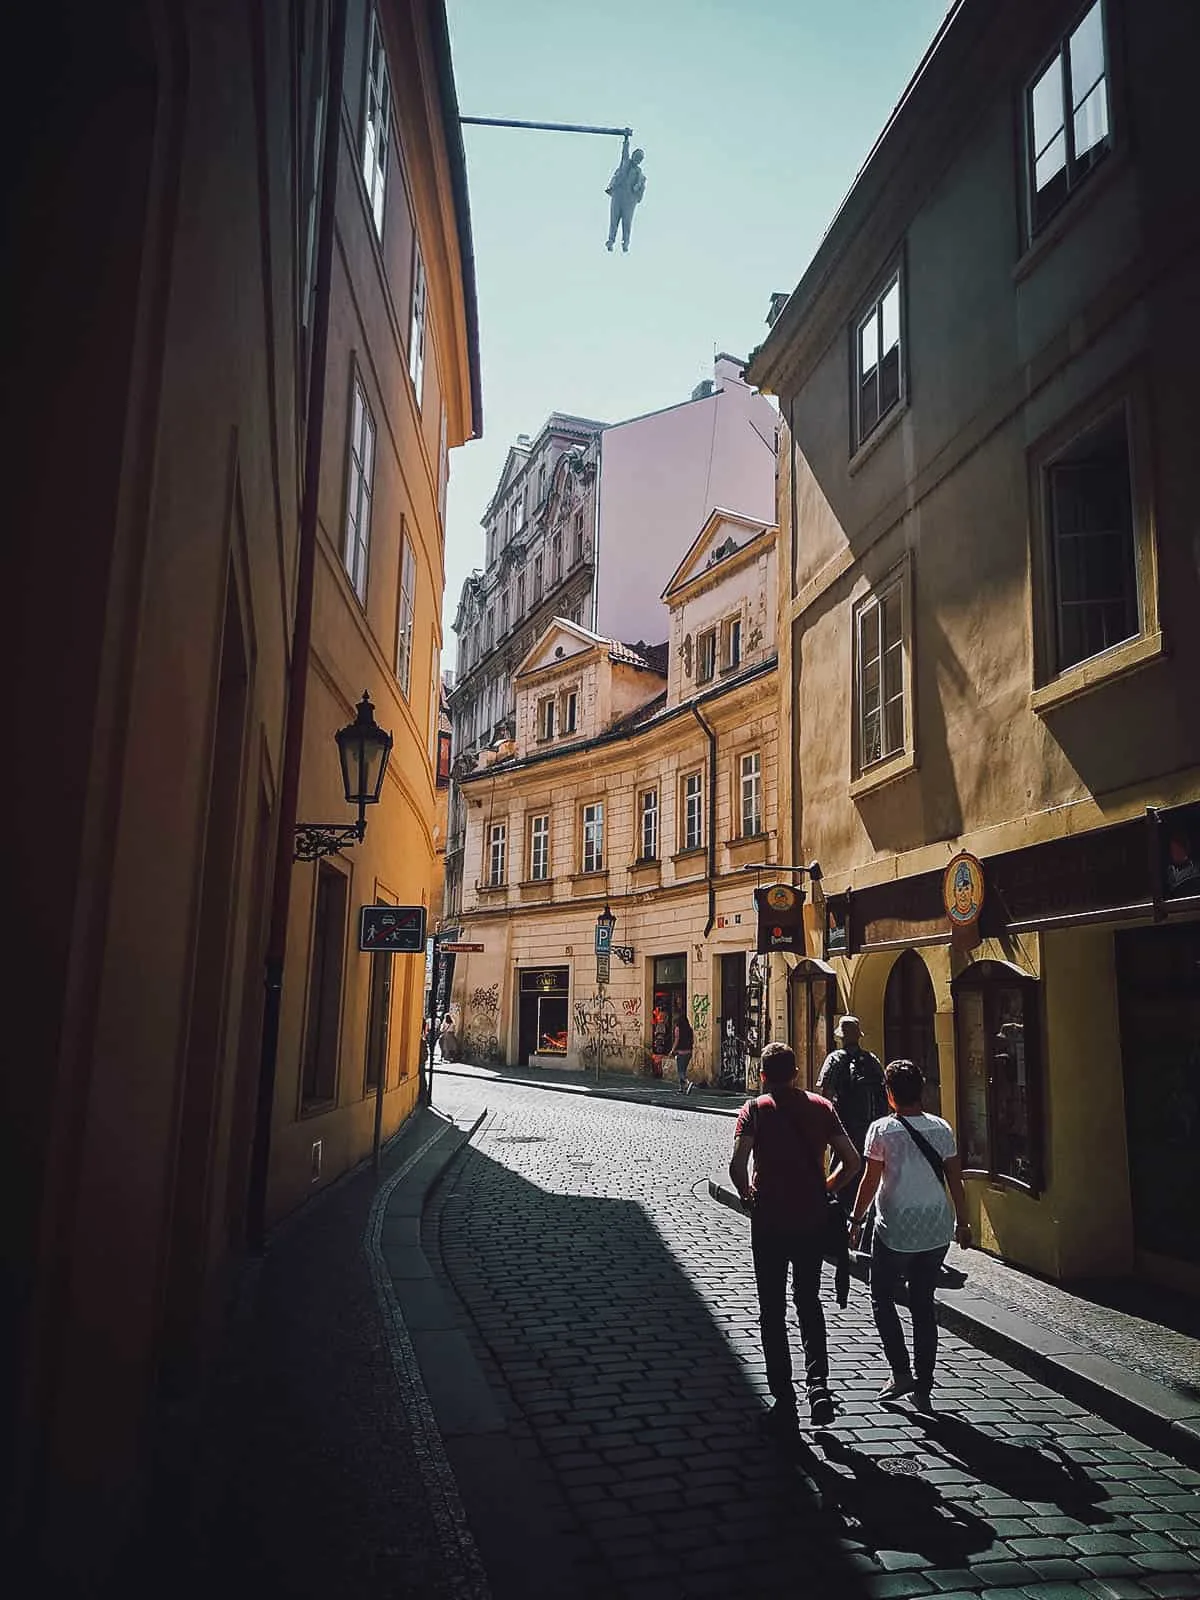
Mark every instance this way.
x=781 y=897
x=962 y=890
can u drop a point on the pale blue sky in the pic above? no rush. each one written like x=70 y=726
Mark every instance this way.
x=754 y=116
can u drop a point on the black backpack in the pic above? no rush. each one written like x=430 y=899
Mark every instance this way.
x=686 y=1037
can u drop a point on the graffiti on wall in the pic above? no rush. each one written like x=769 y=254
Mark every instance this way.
x=606 y=1036
x=486 y=1002
x=700 y=1015
x=632 y=1008
x=480 y=1040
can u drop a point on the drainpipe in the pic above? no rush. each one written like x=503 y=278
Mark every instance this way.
x=712 y=819
x=293 y=737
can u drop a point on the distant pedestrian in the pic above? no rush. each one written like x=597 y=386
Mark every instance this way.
x=683 y=1042
x=448 y=1039
x=911 y=1158
x=852 y=1079
x=788 y=1131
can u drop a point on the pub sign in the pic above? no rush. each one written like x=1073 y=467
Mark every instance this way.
x=780 y=918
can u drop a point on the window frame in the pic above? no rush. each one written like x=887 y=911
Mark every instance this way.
x=1076 y=173
x=652 y=814
x=375 y=178
x=731 y=643
x=417 y=320
x=872 y=308
x=568 y=713
x=1052 y=684
x=757 y=790
x=689 y=838
x=595 y=838
x=539 y=836
x=547 y=718
x=896 y=582
x=706 y=646
x=406 y=629
x=363 y=478
x=988 y=978
x=325 y=990
x=497 y=842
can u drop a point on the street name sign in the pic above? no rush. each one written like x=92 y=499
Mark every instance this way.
x=392 y=928
x=458 y=948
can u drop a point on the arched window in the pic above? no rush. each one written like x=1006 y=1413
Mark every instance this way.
x=999 y=1073
x=908 y=1027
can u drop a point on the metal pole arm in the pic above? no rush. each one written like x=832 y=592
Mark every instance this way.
x=544 y=127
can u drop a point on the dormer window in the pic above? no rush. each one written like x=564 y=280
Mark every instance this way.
x=546 y=717
x=706 y=656
x=570 y=711
x=731 y=643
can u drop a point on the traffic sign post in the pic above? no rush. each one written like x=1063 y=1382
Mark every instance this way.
x=392 y=928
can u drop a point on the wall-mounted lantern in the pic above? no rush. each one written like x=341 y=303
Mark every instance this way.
x=363 y=751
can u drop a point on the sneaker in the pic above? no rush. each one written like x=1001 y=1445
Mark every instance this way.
x=820 y=1407
x=922 y=1401
x=780 y=1421
x=897 y=1387
x=690 y=1087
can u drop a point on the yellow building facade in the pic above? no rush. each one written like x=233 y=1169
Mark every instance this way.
x=644 y=781
x=988 y=652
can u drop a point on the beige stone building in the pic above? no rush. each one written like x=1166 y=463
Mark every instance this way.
x=645 y=781
x=988 y=626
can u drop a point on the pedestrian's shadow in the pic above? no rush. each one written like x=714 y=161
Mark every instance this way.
x=890 y=1509
x=1033 y=1469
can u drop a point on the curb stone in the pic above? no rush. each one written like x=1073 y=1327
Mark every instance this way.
x=1159 y=1416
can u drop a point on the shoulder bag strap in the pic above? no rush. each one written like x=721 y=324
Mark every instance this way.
x=926 y=1149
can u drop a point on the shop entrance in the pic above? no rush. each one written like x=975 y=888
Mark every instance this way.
x=1158 y=989
x=908 y=1027
x=731 y=1024
x=542 y=1012
x=670 y=1001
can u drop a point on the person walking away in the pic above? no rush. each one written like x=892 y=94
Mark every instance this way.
x=911 y=1158
x=787 y=1132
x=683 y=1042
x=852 y=1079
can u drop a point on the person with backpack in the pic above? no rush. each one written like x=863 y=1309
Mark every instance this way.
x=911 y=1159
x=852 y=1079
x=683 y=1042
x=788 y=1131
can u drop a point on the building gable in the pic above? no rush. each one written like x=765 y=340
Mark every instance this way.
x=724 y=535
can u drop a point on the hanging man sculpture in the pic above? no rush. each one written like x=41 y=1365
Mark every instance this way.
x=627 y=186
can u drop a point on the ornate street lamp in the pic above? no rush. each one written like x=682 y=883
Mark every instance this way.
x=363 y=751
x=606 y=922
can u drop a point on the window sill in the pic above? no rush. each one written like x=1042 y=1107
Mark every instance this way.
x=491 y=888
x=997 y=1180
x=646 y=871
x=883 y=772
x=1064 y=219
x=1097 y=671
x=878 y=434
x=745 y=842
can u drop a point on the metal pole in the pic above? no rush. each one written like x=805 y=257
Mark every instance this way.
x=381 y=1073
x=544 y=127
x=433 y=1037
x=601 y=987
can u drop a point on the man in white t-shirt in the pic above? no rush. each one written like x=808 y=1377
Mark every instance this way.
x=910 y=1160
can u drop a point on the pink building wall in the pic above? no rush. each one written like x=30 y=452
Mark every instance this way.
x=660 y=477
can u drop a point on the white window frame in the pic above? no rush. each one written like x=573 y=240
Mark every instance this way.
x=648 y=825
x=731 y=644
x=416 y=324
x=360 y=482
x=706 y=655
x=750 y=794
x=592 y=837
x=547 y=718
x=377 y=124
x=497 y=854
x=691 y=810
x=891 y=592
x=539 y=847
x=568 y=720
x=405 y=612
x=876 y=317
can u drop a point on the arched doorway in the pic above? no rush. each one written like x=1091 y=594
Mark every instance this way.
x=814 y=996
x=908 y=1023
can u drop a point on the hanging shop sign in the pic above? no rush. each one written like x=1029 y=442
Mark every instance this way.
x=962 y=891
x=837 y=925
x=780 y=918
x=1179 y=844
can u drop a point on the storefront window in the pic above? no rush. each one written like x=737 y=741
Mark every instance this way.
x=670 y=1000
x=999 y=1082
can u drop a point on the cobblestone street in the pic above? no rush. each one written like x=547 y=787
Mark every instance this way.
x=611 y=1305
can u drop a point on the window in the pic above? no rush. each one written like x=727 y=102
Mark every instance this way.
x=489 y=628
x=541 y=483
x=593 y=837
x=377 y=124
x=751 y=794
x=648 y=834
x=497 y=848
x=358 y=491
x=502 y=614
x=556 y=558
x=999 y=1083
x=570 y=710
x=404 y=619
x=319 y=1078
x=539 y=848
x=693 y=812
x=537 y=579
x=879 y=627
x=877 y=366
x=731 y=643
x=416 y=326
x=1062 y=149
x=545 y=717
x=519 y=603
x=1092 y=544
x=518 y=514
x=577 y=536
x=706 y=656
x=443 y=467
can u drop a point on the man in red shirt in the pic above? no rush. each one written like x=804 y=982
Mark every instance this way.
x=788 y=1132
